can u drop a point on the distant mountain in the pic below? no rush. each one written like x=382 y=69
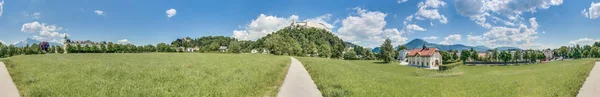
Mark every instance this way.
x=418 y=43
x=348 y=44
x=507 y=48
x=376 y=50
x=30 y=41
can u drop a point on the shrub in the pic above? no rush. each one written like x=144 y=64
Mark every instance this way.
x=448 y=66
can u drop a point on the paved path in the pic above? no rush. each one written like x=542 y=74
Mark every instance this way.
x=591 y=86
x=298 y=82
x=7 y=87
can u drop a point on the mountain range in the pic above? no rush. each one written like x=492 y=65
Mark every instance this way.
x=30 y=41
x=418 y=43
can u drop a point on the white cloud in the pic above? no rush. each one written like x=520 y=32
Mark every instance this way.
x=584 y=41
x=36 y=15
x=429 y=10
x=414 y=27
x=478 y=10
x=506 y=26
x=1 y=7
x=451 y=38
x=431 y=38
x=44 y=32
x=171 y=12
x=99 y=12
x=523 y=36
x=3 y=42
x=593 y=12
x=367 y=28
x=323 y=20
x=123 y=41
x=267 y=24
x=401 y=1
x=262 y=26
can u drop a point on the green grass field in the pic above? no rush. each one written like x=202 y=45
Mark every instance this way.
x=368 y=78
x=148 y=74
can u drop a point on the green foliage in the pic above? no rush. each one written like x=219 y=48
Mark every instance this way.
x=350 y=55
x=505 y=56
x=387 y=51
x=464 y=55
x=235 y=47
x=302 y=42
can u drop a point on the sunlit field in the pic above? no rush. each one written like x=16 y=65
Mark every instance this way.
x=148 y=74
x=369 y=78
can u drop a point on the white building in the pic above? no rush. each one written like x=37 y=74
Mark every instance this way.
x=402 y=57
x=223 y=49
x=425 y=57
x=307 y=23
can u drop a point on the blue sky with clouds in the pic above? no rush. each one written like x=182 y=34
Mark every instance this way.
x=521 y=23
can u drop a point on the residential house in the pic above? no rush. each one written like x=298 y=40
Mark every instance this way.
x=425 y=57
x=223 y=49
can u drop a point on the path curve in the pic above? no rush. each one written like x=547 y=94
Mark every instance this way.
x=7 y=87
x=298 y=83
x=591 y=86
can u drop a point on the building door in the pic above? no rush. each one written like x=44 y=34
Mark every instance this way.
x=437 y=63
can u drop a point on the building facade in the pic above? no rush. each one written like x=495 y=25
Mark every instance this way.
x=402 y=54
x=425 y=57
x=307 y=24
x=68 y=42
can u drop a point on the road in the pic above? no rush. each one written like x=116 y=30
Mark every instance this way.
x=591 y=86
x=298 y=83
x=7 y=87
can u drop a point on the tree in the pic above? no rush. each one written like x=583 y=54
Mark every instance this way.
x=464 y=55
x=455 y=55
x=235 y=47
x=350 y=55
x=517 y=56
x=505 y=56
x=474 y=55
x=540 y=56
x=387 y=51
x=402 y=47
x=214 y=46
x=563 y=51
x=60 y=50
x=495 y=55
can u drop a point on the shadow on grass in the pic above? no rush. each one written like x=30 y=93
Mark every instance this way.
x=380 y=62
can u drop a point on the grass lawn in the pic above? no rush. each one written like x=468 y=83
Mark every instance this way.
x=368 y=78
x=148 y=74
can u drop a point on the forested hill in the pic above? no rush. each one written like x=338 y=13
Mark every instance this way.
x=302 y=42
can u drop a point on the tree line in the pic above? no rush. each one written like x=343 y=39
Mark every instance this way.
x=12 y=50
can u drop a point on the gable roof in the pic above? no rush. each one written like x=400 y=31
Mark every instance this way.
x=426 y=52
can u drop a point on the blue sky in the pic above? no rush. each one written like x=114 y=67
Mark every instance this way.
x=533 y=24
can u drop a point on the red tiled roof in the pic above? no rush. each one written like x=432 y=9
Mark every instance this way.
x=422 y=52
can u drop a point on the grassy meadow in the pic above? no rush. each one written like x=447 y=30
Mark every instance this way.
x=148 y=74
x=362 y=78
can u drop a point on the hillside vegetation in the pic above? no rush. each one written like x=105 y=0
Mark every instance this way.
x=303 y=42
x=362 y=78
x=147 y=74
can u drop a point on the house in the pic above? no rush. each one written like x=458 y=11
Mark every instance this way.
x=253 y=51
x=189 y=49
x=425 y=57
x=482 y=55
x=223 y=49
x=402 y=57
x=549 y=54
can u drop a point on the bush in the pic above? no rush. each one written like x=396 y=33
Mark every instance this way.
x=448 y=67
